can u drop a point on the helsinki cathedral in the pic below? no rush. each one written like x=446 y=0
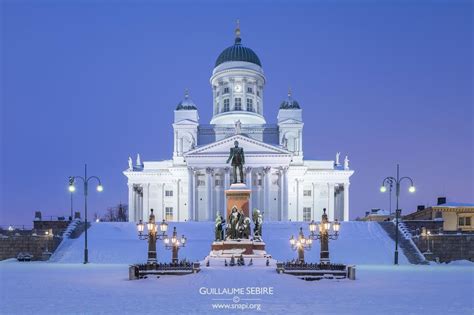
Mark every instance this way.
x=284 y=186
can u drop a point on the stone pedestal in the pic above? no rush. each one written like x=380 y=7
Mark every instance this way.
x=244 y=247
x=238 y=195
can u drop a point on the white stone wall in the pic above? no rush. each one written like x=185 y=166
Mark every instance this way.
x=305 y=187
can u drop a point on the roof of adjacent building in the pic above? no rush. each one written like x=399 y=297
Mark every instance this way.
x=455 y=205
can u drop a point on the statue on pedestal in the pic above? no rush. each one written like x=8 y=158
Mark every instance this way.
x=233 y=222
x=238 y=160
x=218 y=228
x=258 y=221
x=245 y=229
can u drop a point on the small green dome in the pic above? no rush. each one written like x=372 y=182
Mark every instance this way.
x=290 y=103
x=187 y=103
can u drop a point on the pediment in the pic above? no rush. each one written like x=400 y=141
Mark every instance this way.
x=289 y=121
x=186 y=122
x=250 y=146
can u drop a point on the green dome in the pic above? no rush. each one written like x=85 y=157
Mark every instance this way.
x=290 y=103
x=237 y=52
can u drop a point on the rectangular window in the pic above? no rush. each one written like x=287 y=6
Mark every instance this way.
x=249 y=90
x=250 y=105
x=258 y=93
x=218 y=182
x=226 y=90
x=168 y=193
x=306 y=213
x=201 y=182
x=464 y=221
x=226 y=105
x=238 y=103
x=307 y=193
x=169 y=213
x=218 y=93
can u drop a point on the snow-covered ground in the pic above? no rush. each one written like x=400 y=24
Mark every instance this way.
x=65 y=286
x=358 y=243
x=50 y=288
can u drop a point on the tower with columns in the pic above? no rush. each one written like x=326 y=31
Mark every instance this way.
x=284 y=186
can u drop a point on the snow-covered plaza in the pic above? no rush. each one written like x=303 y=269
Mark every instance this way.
x=66 y=286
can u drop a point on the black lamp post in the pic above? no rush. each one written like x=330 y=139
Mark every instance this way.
x=390 y=180
x=324 y=234
x=174 y=244
x=152 y=236
x=300 y=244
x=72 y=188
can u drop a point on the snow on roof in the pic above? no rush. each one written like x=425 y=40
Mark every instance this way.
x=374 y=212
x=455 y=205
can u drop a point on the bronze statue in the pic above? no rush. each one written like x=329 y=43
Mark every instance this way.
x=218 y=228
x=232 y=225
x=238 y=161
x=258 y=221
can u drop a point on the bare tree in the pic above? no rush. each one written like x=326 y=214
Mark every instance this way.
x=118 y=213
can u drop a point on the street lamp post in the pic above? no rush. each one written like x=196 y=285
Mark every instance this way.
x=397 y=181
x=300 y=244
x=324 y=234
x=152 y=236
x=72 y=214
x=72 y=188
x=174 y=244
x=427 y=234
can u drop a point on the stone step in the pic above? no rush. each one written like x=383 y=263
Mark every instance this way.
x=406 y=245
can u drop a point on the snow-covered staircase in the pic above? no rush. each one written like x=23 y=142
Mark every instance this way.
x=404 y=241
x=358 y=243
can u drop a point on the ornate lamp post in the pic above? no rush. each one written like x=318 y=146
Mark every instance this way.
x=397 y=181
x=72 y=188
x=152 y=236
x=427 y=234
x=174 y=244
x=324 y=234
x=301 y=244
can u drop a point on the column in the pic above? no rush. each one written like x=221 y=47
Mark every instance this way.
x=226 y=178
x=176 y=188
x=285 y=194
x=209 y=193
x=283 y=189
x=330 y=202
x=248 y=182
x=346 y=201
x=146 y=200
x=190 y=194
x=299 y=202
x=131 y=204
x=163 y=214
x=266 y=192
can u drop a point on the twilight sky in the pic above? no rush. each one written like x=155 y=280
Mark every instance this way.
x=95 y=82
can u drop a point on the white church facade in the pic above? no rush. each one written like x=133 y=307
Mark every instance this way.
x=284 y=186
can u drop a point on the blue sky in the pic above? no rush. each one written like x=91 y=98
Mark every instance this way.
x=95 y=82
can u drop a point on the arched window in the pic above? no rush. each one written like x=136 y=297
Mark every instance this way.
x=226 y=105
x=250 y=105
x=238 y=103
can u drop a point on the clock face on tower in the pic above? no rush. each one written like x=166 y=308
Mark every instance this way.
x=237 y=88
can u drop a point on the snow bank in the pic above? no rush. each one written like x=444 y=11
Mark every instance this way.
x=358 y=243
